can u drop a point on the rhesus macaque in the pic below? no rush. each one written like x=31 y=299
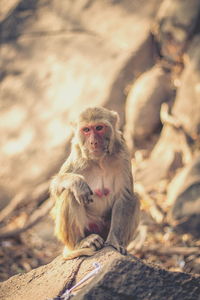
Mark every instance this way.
x=94 y=200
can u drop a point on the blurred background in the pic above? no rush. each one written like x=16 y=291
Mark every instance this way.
x=140 y=58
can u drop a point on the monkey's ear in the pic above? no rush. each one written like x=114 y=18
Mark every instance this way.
x=115 y=119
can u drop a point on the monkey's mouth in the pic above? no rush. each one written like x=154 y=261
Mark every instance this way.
x=97 y=151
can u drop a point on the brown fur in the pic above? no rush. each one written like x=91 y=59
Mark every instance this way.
x=85 y=222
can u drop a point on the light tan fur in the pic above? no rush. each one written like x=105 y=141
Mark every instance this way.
x=76 y=208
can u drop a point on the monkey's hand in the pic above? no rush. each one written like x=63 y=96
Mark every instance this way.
x=74 y=184
x=81 y=191
x=78 y=187
x=93 y=241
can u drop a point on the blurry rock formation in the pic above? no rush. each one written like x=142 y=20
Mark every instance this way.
x=140 y=58
x=143 y=105
x=58 y=57
x=184 y=193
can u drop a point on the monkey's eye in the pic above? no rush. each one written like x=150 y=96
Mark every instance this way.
x=86 y=129
x=99 y=127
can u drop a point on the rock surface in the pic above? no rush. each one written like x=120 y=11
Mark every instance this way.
x=53 y=64
x=189 y=91
x=172 y=150
x=121 y=277
x=143 y=104
x=184 y=194
x=175 y=22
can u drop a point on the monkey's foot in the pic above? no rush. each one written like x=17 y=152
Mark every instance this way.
x=119 y=248
x=67 y=255
x=93 y=241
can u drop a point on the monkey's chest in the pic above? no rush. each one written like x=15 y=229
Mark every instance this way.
x=102 y=185
x=101 y=192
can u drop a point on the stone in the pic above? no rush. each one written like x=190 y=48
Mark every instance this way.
x=174 y=25
x=172 y=150
x=54 y=64
x=143 y=105
x=187 y=105
x=184 y=197
x=120 y=277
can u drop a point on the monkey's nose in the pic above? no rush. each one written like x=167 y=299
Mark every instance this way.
x=94 y=143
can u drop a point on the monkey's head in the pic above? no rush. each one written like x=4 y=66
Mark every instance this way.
x=97 y=131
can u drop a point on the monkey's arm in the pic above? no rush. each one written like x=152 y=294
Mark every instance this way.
x=74 y=183
x=70 y=192
x=124 y=221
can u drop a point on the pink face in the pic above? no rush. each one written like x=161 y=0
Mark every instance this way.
x=95 y=137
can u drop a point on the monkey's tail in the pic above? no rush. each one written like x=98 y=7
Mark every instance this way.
x=71 y=254
x=65 y=223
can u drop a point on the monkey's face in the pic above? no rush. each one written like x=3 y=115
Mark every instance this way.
x=95 y=139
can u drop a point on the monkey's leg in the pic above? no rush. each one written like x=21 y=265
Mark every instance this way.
x=70 y=224
x=124 y=221
x=69 y=217
x=86 y=247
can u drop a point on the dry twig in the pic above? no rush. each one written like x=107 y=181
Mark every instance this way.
x=33 y=220
x=156 y=214
x=39 y=194
x=167 y=118
x=171 y=250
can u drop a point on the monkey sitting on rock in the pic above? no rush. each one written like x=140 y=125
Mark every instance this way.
x=94 y=201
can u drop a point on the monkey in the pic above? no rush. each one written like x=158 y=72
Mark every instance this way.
x=95 y=205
